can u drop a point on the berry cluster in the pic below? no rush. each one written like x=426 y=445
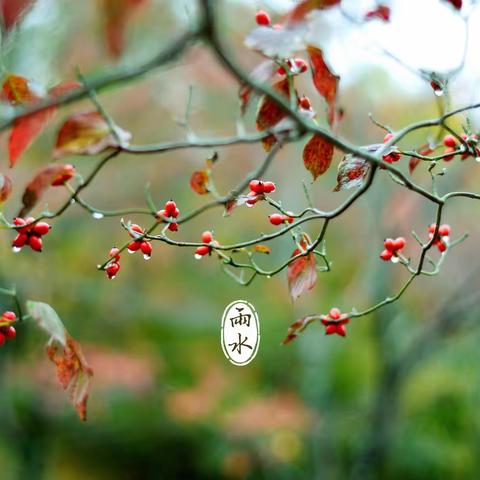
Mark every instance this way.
x=170 y=212
x=258 y=190
x=392 y=156
x=442 y=238
x=114 y=265
x=207 y=237
x=451 y=145
x=295 y=66
x=139 y=244
x=335 y=322
x=29 y=233
x=7 y=331
x=393 y=248
x=69 y=172
x=279 y=218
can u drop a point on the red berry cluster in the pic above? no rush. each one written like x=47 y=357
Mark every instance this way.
x=29 y=233
x=7 y=331
x=207 y=237
x=392 y=249
x=394 y=155
x=139 y=244
x=335 y=322
x=69 y=172
x=451 y=145
x=258 y=190
x=442 y=238
x=279 y=218
x=169 y=211
x=114 y=265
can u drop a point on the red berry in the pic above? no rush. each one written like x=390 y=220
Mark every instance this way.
x=3 y=339
x=173 y=227
x=114 y=253
x=449 y=157
x=253 y=200
x=304 y=102
x=10 y=333
x=41 y=228
x=201 y=251
x=335 y=314
x=207 y=237
x=432 y=228
x=134 y=246
x=389 y=244
x=300 y=65
x=387 y=137
x=392 y=157
x=330 y=329
x=19 y=221
x=9 y=316
x=170 y=208
x=386 y=255
x=269 y=187
x=399 y=243
x=146 y=248
x=256 y=186
x=340 y=330
x=441 y=246
x=449 y=141
x=112 y=270
x=35 y=243
x=20 y=240
x=288 y=219
x=276 y=219
x=444 y=230
x=262 y=18
x=176 y=213
x=160 y=215
x=68 y=173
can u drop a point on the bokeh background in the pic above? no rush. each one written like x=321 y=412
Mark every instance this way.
x=397 y=398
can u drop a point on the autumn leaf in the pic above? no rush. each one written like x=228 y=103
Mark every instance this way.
x=199 y=182
x=302 y=273
x=324 y=80
x=40 y=183
x=73 y=372
x=117 y=13
x=261 y=249
x=13 y=10
x=87 y=133
x=317 y=156
x=17 y=91
x=5 y=188
x=270 y=113
x=302 y=9
x=351 y=172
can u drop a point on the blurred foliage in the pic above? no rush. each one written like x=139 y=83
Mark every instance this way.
x=165 y=402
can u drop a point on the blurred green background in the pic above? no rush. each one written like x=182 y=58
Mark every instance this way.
x=397 y=398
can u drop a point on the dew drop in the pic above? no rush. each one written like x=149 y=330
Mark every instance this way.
x=16 y=249
x=249 y=205
x=198 y=257
x=72 y=201
x=112 y=277
x=438 y=92
x=130 y=251
x=446 y=240
x=477 y=159
x=97 y=215
x=395 y=259
x=269 y=276
x=147 y=257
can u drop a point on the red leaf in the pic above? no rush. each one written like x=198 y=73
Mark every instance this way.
x=351 y=172
x=301 y=10
x=13 y=10
x=17 y=91
x=199 y=182
x=301 y=273
x=324 y=80
x=317 y=156
x=40 y=183
x=73 y=372
x=87 y=133
x=270 y=113
x=117 y=13
x=5 y=188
